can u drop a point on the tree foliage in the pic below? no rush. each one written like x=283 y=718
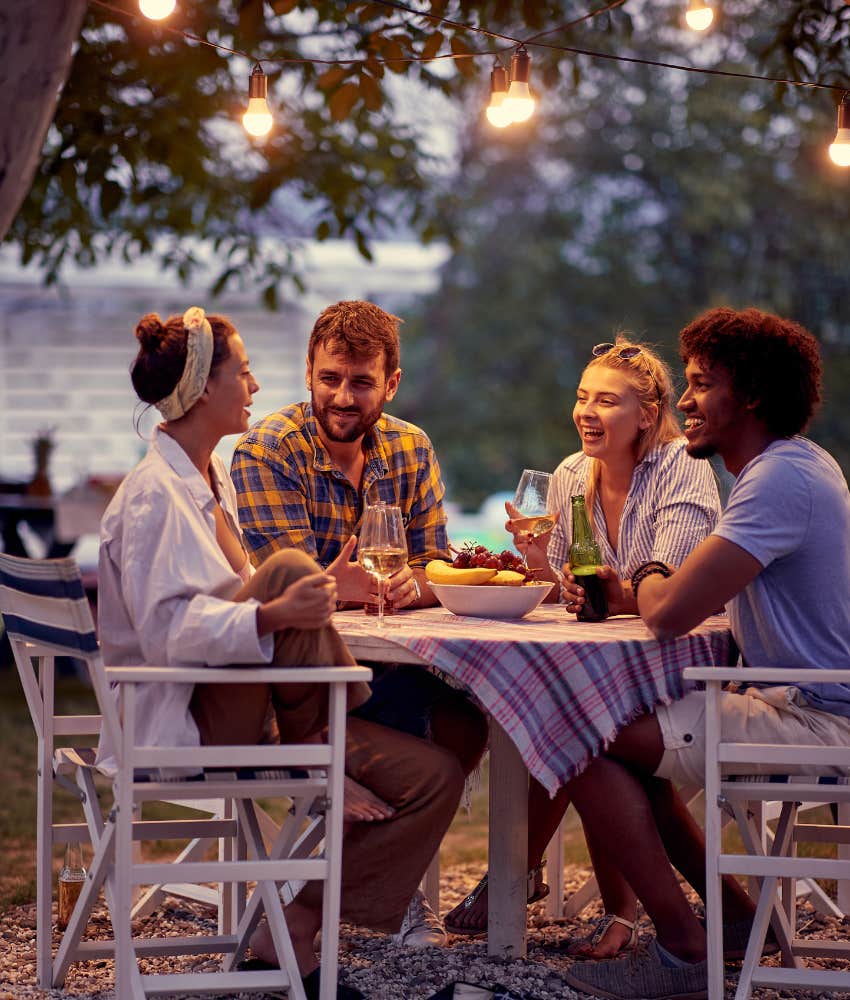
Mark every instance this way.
x=636 y=199
x=145 y=155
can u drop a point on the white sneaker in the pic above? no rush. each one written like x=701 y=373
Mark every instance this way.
x=421 y=927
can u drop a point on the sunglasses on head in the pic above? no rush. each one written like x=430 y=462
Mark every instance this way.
x=626 y=353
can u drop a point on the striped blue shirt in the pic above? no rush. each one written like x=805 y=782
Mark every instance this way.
x=671 y=506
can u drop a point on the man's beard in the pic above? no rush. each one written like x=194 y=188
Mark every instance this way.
x=360 y=426
x=707 y=450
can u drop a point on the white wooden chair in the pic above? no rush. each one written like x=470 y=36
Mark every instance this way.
x=775 y=867
x=46 y=615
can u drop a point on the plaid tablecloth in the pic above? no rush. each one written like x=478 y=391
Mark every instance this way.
x=561 y=689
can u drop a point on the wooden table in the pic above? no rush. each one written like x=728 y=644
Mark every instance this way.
x=556 y=691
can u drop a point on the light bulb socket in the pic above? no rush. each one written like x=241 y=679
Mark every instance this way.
x=498 y=80
x=520 y=66
x=844 y=113
x=258 y=84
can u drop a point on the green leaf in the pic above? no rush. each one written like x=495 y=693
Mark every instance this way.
x=432 y=45
x=370 y=89
x=323 y=230
x=343 y=100
x=362 y=245
x=270 y=297
x=283 y=6
x=111 y=196
x=392 y=50
x=460 y=48
x=331 y=77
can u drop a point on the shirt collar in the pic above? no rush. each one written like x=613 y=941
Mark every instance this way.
x=174 y=456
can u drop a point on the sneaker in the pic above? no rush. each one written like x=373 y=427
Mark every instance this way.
x=640 y=976
x=421 y=927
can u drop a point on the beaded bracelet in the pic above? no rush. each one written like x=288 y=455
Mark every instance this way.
x=648 y=569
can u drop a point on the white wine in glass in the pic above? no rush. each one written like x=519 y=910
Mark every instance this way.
x=382 y=547
x=531 y=499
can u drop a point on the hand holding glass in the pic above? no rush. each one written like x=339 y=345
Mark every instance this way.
x=382 y=548
x=531 y=502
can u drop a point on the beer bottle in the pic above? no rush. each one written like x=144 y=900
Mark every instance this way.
x=584 y=558
x=72 y=876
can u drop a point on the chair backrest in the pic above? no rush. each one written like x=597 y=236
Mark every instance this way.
x=46 y=614
x=43 y=602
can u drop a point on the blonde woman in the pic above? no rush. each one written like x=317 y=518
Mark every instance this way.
x=647 y=500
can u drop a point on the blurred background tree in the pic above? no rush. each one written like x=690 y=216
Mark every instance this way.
x=635 y=199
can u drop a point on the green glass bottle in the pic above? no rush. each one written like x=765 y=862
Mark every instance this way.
x=584 y=558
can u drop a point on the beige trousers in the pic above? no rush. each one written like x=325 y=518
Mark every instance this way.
x=382 y=862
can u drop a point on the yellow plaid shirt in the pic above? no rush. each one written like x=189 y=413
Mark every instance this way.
x=291 y=496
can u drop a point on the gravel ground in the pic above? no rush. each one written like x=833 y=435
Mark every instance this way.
x=370 y=961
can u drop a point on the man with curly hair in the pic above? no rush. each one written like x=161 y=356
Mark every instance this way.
x=779 y=560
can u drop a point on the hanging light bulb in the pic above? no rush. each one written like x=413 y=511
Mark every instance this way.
x=699 y=15
x=496 y=113
x=839 y=151
x=519 y=103
x=156 y=10
x=257 y=120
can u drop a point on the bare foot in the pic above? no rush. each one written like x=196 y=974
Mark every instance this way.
x=363 y=806
x=470 y=915
x=303 y=925
x=614 y=938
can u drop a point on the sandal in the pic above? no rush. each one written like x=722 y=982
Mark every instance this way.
x=534 y=893
x=582 y=949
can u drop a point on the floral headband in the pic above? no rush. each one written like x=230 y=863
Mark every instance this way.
x=199 y=352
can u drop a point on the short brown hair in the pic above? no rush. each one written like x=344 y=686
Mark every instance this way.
x=357 y=328
x=774 y=363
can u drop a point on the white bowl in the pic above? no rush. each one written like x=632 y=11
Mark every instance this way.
x=484 y=601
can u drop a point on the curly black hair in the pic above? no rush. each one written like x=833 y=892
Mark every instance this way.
x=774 y=363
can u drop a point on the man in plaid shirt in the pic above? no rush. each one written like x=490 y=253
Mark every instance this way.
x=304 y=476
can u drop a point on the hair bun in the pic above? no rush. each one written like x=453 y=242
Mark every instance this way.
x=150 y=331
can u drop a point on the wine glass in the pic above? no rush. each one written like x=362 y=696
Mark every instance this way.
x=530 y=500
x=382 y=547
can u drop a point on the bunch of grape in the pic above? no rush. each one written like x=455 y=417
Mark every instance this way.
x=479 y=557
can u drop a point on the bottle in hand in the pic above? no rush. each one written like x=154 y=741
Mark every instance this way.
x=72 y=877
x=584 y=559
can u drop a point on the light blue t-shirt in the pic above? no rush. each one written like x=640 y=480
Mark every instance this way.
x=790 y=509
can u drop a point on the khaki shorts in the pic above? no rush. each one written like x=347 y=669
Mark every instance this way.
x=752 y=715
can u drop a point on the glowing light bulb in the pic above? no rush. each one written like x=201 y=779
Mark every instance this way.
x=839 y=151
x=257 y=120
x=496 y=113
x=699 y=15
x=519 y=103
x=156 y=10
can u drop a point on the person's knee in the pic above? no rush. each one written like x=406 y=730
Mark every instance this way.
x=442 y=772
x=281 y=569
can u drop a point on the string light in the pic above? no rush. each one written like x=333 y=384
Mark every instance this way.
x=496 y=113
x=257 y=120
x=699 y=15
x=839 y=151
x=156 y=10
x=519 y=103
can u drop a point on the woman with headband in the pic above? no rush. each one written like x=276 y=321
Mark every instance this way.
x=647 y=500
x=176 y=588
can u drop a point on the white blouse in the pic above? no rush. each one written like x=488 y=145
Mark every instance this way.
x=165 y=586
